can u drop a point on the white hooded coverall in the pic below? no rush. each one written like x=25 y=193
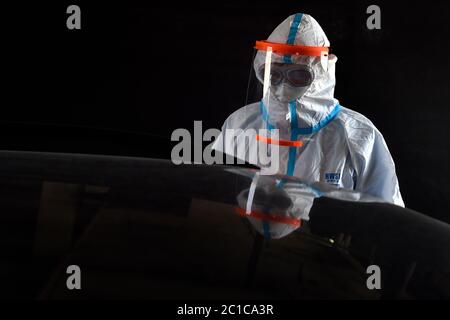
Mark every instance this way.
x=340 y=147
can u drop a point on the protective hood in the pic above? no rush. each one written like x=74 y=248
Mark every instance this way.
x=317 y=104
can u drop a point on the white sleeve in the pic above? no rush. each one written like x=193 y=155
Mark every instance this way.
x=376 y=171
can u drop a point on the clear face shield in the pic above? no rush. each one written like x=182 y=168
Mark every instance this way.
x=282 y=74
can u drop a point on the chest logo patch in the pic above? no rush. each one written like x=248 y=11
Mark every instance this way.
x=333 y=178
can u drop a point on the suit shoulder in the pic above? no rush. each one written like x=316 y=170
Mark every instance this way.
x=242 y=117
x=352 y=117
x=356 y=124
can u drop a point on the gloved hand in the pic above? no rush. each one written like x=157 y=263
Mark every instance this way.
x=280 y=206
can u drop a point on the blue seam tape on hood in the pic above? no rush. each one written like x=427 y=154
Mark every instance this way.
x=292 y=34
x=294 y=27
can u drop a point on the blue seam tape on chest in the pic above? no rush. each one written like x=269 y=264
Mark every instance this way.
x=297 y=130
x=265 y=116
x=292 y=150
x=322 y=123
x=266 y=229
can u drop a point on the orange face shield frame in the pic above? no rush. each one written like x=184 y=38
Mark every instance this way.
x=288 y=49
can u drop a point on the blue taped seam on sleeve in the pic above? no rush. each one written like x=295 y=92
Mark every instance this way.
x=316 y=192
x=280 y=184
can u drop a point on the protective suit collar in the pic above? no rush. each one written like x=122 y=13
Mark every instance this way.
x=309 y=122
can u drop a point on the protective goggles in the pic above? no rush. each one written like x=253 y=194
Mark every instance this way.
x=297 y=75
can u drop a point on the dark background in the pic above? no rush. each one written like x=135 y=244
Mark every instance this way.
x=136 y=72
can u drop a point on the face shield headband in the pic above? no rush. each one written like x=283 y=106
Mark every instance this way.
x=292 y=50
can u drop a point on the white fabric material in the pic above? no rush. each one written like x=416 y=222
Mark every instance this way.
x=348 y=152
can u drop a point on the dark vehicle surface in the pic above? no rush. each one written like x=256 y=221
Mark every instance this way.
x=146 y=228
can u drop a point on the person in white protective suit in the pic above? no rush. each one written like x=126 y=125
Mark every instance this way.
x=318 y=139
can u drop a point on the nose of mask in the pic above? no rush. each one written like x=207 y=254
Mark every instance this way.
x=285 y=93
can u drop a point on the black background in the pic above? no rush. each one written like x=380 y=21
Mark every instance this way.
x=135 y=72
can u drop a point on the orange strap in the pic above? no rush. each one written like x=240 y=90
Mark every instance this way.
x=284 y=143
x=267 y=217
x=289 y=49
